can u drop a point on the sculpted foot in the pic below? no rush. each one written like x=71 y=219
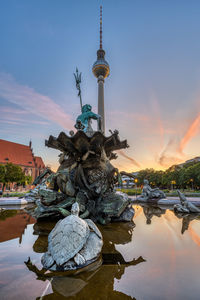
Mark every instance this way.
x=79 y=259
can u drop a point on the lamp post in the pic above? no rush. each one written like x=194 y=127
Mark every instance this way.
x=136 y=181
x=173 y=182
x=192 y=180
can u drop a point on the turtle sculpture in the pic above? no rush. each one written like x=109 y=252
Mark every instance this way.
x=73 y=243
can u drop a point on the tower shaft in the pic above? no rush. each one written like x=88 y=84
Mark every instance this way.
x=100 y=81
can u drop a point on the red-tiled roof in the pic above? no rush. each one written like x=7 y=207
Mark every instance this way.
x=17 y=154
x=39 y=162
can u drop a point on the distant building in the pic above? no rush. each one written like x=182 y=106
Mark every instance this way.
x=193 y=160
x=127 y=181
x=196 y=159
x=23 y=156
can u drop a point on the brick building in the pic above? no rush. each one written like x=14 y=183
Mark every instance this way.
x=23 y=156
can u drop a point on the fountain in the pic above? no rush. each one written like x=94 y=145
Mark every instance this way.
x=85 y=174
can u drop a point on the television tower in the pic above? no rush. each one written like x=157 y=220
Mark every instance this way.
x=101 y=70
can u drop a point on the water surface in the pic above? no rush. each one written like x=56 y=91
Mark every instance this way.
x=156 y=257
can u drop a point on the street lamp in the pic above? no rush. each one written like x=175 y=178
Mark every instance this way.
x=192 y=180
x=173 y=182
x=136 y=181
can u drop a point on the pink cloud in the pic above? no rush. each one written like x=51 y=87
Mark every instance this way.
x=132 y=160
x=11 y=119
x=129 y=116
x=33 y=102
x=11 y=110
x=9 y=122
x=192 y=130
x=170 y=156
x=157 y=118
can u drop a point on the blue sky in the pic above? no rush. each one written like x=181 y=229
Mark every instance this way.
x=151 y=95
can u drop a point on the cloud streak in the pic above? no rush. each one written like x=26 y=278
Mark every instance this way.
x=157 y=118
x=134 y=162
x=33 y=102
x=190 y=133
x=169 y=155
x=11 y=110
x=173 y=152
x=19 y=121
x=129 y=116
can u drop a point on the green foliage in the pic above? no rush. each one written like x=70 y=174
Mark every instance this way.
x=28 y=179
x=2 y=173
x=178 y=177
x=155 y=177
x=14 y=194
x=172 y=193
x=13 y=174
x=10 y=173
x=131 y=192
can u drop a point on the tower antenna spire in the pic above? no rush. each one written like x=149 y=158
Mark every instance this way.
x=100 y=27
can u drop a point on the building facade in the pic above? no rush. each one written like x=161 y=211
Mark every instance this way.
x=23 y=156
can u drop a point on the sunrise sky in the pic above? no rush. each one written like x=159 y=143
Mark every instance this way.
x=152 y=95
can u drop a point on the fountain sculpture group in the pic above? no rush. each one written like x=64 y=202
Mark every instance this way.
x=85 y=181
x=86 y=176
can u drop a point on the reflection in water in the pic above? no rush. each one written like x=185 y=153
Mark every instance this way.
x=88 y=283
x=150 y=211
x=100 y=275
x=195 y=236
x=171 y=259
x=186 y=219
x=13 y=224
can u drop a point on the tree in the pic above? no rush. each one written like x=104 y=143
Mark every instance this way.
x=2 y=173
x=155 y=178
x=26 y=180
x=12 y=174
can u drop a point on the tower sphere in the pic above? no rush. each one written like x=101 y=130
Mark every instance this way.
x=101 y=67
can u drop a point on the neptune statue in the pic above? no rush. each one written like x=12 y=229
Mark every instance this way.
x=83 y=122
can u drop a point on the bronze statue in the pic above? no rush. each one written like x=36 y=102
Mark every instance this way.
x=185 y=206
x=83 y=122
x=148 y=193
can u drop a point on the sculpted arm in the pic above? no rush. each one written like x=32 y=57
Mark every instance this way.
x=93 y=116
x=153 y=190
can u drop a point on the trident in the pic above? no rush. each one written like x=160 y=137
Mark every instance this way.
x=78 y=81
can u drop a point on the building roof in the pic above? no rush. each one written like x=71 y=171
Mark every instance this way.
x=17 y=154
